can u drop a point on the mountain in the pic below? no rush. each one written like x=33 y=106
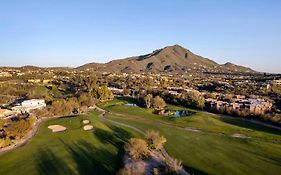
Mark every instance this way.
x=175 y=59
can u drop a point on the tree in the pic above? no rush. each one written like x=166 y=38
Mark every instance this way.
x=87 y=84
x=86 y=100
x=195 y=100
x=137 y=149
x=158 y=103
x=154 y=140
x=148 y=99
x=103 y=93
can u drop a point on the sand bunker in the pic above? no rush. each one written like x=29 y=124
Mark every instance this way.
x=57 y=128
x=88 y=127
x=85 y=122
x=237 y=135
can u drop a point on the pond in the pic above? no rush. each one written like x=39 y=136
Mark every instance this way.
x=177 y=113
x=130 y=104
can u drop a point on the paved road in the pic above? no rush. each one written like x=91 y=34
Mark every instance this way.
x=102 y=116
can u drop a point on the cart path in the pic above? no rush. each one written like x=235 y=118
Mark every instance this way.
x=162 y=149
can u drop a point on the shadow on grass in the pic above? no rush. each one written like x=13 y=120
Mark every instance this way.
x=87 y=158
x=128 y=99
x=251 y=126
x=69 y=116
x=117 y=137
x=48 y=163
x=192 y=170
x=92 y=160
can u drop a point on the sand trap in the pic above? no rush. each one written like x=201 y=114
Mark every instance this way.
x=85 y=122
x=237 y=135
x=192 y=129
x=88 y=127
x=57 y=128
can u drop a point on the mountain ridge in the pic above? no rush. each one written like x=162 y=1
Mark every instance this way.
x=169 y=59
x=173 y=58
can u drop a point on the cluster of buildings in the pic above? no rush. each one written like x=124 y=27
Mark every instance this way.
x=239 y=103
x=251 y=106
x=22 y=107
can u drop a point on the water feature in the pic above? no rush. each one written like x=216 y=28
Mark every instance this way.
x=178 y=113
x=130 y=104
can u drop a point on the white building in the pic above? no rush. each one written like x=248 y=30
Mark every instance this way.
x=29 y=105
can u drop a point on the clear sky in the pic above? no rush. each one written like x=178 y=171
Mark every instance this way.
x=75 y=32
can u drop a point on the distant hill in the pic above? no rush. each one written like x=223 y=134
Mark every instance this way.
x=175 y=59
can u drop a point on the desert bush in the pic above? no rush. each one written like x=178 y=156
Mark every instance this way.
x=137 y=149
x=19 y=128
x=158 y=103
x=173 y=166
x=154 y=140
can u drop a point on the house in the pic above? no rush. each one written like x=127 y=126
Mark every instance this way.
x=28 y=105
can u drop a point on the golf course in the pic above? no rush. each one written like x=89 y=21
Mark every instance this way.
x=74 y=151
x=205 y=144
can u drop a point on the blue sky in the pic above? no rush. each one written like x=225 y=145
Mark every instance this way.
x=74 y=32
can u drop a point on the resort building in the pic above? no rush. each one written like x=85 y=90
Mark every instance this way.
x=28 y=105
x=250 y=106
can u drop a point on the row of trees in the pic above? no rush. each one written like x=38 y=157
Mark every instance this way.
x=189 y=99
x=63 y=107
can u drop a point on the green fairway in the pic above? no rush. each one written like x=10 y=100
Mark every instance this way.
x=213 y=150
x=72 y=152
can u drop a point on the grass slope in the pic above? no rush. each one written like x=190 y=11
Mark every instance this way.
x=214 y=150
x=72 y=152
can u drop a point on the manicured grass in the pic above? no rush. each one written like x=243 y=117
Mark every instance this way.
x=72 y=152
x=214 y=150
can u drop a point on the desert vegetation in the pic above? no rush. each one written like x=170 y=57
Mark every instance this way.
x=146 y=157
